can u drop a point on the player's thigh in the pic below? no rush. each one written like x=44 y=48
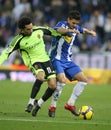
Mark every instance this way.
x=81 y=77
x=40 y=75
x=58 y=67
x=72 y=71
x=48 y=69
x=50 y=74
x=38 y=71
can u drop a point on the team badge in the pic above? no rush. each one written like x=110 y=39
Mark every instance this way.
x=38 y=36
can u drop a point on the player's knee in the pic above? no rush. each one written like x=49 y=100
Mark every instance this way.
x=52 y=83
x=40 y=76
x=62 y=80
x=40 y=79
x=82 y=79
x=85 y=80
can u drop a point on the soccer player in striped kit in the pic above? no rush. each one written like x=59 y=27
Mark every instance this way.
x=61 y=57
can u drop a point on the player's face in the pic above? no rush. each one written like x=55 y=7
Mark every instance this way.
x=72 y=23
x=28 y=29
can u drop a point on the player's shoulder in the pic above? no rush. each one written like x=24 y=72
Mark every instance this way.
x=41 y=28
x=80 y=28
x=62 y=22
x=36 y=28
x=17 y=37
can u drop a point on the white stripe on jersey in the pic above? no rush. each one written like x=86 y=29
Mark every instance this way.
x=59 y=48
x=70 y=48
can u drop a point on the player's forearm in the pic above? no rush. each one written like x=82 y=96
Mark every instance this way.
x=86 y=31
x=62 y=30
x=3 y=57
x=49 y=31
x=91 y=32
x=66 y=31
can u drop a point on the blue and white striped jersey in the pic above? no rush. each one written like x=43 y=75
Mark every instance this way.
x=62 y=45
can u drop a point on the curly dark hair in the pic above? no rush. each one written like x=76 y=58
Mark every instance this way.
x=74 y=15
x=24 y=21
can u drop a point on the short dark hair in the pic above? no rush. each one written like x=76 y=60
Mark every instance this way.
x=24 y=21
x=74 y=15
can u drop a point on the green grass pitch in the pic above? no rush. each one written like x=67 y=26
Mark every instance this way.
x=15 y=95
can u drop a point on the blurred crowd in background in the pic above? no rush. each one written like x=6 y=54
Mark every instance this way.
x=95 y=14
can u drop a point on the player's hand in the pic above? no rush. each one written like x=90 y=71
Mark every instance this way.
x=73 y=31
x=93 y=33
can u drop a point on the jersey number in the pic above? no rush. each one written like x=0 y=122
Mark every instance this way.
x=49 y=69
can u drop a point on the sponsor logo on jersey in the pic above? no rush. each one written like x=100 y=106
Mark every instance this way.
x=68 y=39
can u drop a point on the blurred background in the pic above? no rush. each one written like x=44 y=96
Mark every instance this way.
x=93 y=54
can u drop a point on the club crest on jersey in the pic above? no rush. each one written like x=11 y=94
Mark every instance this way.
x=68 y=39
x=38 y=36
x=36 y=67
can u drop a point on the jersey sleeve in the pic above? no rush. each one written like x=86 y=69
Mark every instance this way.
x=54 y=32
x=47 y=30
x=7 y=51
x=80 y=29
x=60 y=24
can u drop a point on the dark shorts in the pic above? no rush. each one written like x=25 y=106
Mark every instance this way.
x=44 y=66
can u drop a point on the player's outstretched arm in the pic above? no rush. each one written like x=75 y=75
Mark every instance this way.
x=65 y=31
x=47 y=30
x=91 y=32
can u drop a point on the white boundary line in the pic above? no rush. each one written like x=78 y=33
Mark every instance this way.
x=54 y=121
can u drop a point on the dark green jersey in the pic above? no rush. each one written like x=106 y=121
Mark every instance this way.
x=32 y=48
